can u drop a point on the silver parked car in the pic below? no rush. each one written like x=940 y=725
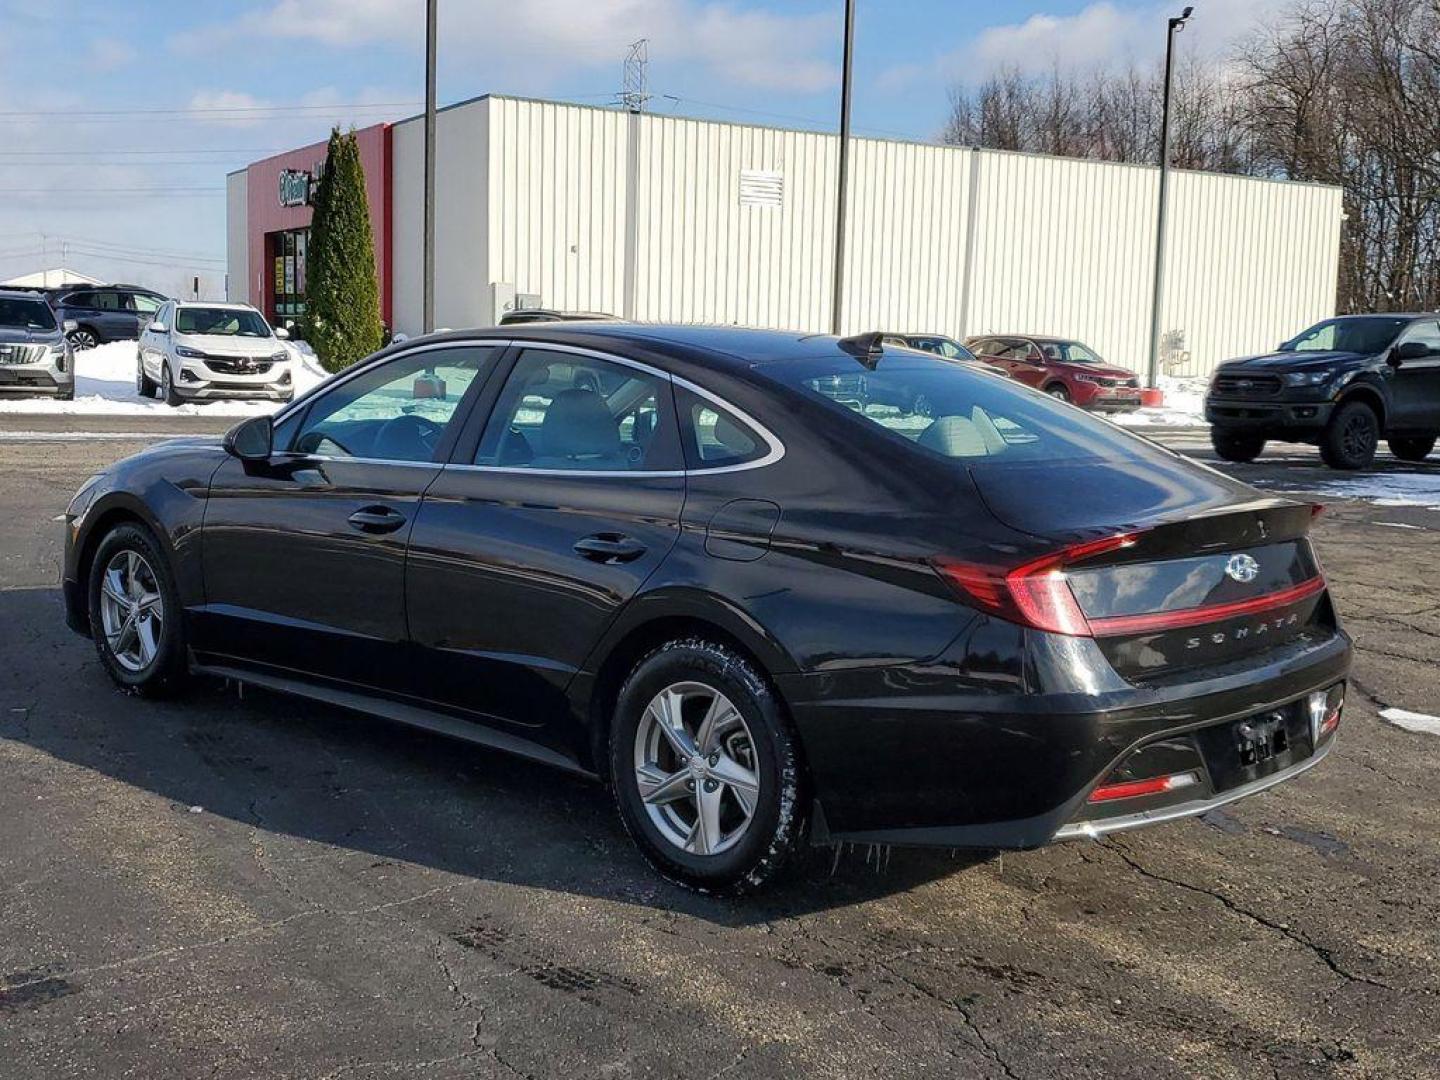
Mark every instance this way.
x=200 y=351
x=35 y=358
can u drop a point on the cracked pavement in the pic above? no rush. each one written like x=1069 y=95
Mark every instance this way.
x=251 y=886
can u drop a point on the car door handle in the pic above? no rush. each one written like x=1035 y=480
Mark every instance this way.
x=609 y=548
x=377 y=519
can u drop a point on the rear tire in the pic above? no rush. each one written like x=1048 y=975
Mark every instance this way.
x=83 y=338
x=750 y=743
x=1237 y=446
x=1412 y=448
x=1350 y=439
x=135 y=617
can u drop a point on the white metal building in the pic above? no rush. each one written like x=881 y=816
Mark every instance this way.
x=662 y=218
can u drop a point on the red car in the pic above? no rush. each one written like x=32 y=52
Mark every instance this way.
x=1064 y=369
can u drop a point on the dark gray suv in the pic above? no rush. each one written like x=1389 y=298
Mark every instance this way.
x=104 y=313
x=35 y=358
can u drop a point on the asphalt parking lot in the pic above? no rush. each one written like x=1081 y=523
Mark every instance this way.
x=247 y=885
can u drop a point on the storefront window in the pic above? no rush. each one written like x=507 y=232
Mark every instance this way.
x=288 y=252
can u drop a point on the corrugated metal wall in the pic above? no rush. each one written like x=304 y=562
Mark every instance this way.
x=642 y=215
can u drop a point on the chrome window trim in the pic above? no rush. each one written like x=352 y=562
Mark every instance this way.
x=776 y=451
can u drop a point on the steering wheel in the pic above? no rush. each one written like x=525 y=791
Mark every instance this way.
x=401 y=437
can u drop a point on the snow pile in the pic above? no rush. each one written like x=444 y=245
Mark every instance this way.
x=105 y=385
x=1184 y=405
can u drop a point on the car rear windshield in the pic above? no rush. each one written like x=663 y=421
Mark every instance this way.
x=223 y=322
x=30 y=314
x=969 y=416
x=1367 y=335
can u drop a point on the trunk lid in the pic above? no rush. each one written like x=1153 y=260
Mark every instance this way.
x=1213 y=572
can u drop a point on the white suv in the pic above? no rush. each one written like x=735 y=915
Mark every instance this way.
x=198 y=351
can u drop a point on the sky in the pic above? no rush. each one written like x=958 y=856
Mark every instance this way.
x=119 y=120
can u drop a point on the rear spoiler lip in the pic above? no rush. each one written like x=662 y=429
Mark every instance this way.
x=1158 y=621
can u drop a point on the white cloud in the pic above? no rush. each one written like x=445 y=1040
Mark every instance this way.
x=1101 y=35
x=747 y=47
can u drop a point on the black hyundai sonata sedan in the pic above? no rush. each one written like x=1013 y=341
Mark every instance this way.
x=666 y=558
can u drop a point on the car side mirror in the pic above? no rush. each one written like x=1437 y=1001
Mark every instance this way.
x=158 y=328
x=1409 y=350
x=282 y=333
x=70 y=326
x=251 y=440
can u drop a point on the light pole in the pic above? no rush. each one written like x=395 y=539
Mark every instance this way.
x=839 y=285
x=1175 y=25
x=428 y=273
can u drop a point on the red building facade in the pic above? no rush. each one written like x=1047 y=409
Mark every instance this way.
x=278 y=194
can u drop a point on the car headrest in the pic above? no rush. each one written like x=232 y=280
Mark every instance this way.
x=954 y=436
x=729 y=435
x=578 y=424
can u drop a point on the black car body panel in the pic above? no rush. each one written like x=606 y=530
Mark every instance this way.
x=924 y=716
x=1260 y=395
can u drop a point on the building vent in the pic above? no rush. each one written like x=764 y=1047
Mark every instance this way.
x=761 y=188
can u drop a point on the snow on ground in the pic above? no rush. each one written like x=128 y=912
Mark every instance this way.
x=1184 y=405
x=1385 y=489
x=105 y=385
x=1412 y=721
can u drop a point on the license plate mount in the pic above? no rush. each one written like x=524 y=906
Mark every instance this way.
x=1260 y=739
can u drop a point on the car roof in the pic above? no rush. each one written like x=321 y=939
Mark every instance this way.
x=224 y=305
x=22 y=294
x=733 y=349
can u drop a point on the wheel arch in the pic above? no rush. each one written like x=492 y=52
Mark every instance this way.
x=648 y=623
x=100 y=521
x=1370 y=395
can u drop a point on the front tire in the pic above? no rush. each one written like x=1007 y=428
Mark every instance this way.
x=1412 y=448
x=135 y=617
x=1237 y=446
x=167 y=386
x=1350 y=439
x=1058 y=392
x=144 y=385
x=706 y=769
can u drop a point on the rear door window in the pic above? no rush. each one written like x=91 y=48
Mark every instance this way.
x=572 y=412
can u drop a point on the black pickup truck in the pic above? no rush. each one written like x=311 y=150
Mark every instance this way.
x=1342 y=385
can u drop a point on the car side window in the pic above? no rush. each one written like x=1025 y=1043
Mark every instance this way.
x=145 y=305
x=1427 y=331
x=715 y=437
x=397 y=410
x=569 y=412
x=80 y=300
x=109 y=301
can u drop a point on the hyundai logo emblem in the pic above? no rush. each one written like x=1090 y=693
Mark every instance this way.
x=1242 y=568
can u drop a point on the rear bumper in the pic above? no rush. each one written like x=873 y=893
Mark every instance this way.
x=1096 y=828
x=917 y=755
x=1269 y=415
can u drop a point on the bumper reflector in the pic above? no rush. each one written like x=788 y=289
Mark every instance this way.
x=1129 y=789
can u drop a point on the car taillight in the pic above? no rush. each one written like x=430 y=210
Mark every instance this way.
x=1129 y=789
x=1036 y=593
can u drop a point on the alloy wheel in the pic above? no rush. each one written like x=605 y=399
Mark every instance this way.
x=132 y=610
x=82 y=339
x=695 y=768
x=1358 y=438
